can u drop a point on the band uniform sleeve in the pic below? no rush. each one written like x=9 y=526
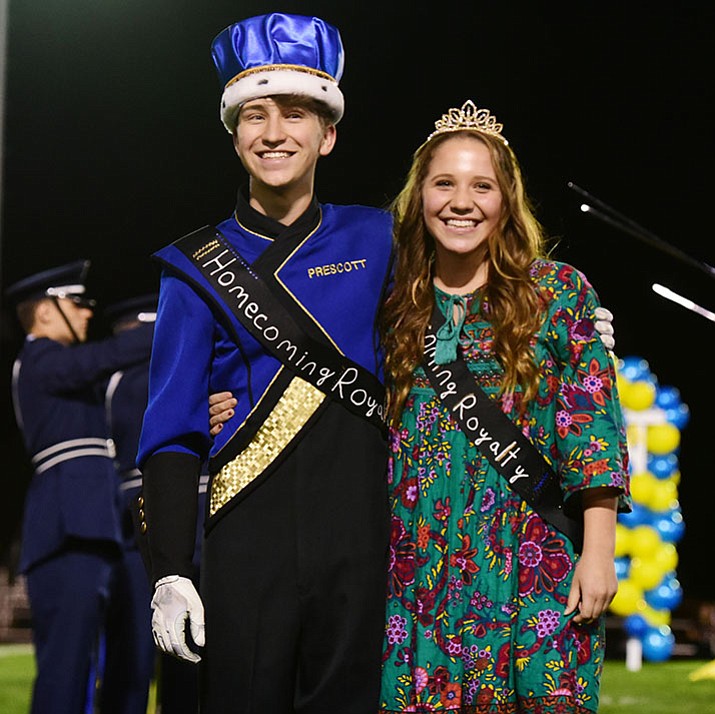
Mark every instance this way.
x=175 y=432
x=168 y=509
x=176 y=417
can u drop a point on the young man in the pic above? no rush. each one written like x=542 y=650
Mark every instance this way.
x=277 y=305
x=71 y=531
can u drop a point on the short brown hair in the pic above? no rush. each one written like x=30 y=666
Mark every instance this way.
x=26 y=313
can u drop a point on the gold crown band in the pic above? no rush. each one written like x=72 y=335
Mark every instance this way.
x=469 y=117
x=273 y=67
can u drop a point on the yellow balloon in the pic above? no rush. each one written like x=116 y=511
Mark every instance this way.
x=663 y=438
x=645 y=573
x=624 y=389
x=643 y=485
x=665 y=557
x=623 y=540
x=621 y=381
x=664 y=495
x=628 y=599
x=644 y=541
x=639 y=395
x=656 y=618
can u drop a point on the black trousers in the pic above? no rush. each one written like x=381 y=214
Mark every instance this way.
x=293 y=581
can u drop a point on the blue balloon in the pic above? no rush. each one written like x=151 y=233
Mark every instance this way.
x=635 y=625
x=623 y=567
x=639 y=516
x=634 y=368
x=662 y=466
x=670 y=525
x=658 y=643
x=678 y=416
x=667 y=397
x=666 y=596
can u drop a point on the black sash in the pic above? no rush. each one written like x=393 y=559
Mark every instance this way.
x=498 y=438
x=246 y=297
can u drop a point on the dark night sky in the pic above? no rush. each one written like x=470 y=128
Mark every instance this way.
x=113 y=148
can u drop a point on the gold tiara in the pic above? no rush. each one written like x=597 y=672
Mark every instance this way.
x=468 y=117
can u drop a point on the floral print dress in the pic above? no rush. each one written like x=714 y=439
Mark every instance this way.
x=478 y=582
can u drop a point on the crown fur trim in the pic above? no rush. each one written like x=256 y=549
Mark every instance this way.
x=277 y=80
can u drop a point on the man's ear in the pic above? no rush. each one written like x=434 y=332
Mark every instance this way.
x=328 y=142
x=44 y=312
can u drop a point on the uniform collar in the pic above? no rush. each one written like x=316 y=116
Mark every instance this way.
x=257 y=222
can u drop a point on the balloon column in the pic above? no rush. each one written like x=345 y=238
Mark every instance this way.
x=646 y=555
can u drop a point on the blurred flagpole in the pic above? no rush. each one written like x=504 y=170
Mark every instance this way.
x=668 y=294
x=607 y=214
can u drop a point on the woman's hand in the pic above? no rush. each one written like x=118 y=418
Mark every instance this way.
x=594 y=582
x=221 y=407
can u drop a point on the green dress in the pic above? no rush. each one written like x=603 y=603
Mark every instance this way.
x=478 y=582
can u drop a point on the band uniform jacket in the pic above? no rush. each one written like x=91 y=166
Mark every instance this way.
x=332 y=276
x=59 y=409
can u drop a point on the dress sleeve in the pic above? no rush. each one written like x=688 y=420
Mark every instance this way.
x=176 y=418
x=589 y=430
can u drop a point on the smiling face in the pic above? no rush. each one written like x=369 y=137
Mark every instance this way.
x=279 y=145
x=461 y=198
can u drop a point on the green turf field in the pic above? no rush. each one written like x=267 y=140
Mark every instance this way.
x=661 y=688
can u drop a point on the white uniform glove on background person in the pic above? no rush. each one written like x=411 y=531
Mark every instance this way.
x=175 y=599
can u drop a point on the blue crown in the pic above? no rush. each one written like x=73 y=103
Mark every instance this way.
x=278 y=54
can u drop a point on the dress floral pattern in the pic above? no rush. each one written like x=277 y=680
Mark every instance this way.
x=478 y=582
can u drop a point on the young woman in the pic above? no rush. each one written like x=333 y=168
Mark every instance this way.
x=491 y=608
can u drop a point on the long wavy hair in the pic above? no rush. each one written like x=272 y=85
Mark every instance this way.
x=514 y=308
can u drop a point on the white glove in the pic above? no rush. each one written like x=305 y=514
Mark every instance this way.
x=604 y=318
x=175 y=599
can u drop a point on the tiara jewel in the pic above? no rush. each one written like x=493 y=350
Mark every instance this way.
x=468 y=117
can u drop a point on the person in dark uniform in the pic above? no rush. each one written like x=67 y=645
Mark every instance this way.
x=71 y=531
x=130 y=655
x=130 y=652
x=295 y=551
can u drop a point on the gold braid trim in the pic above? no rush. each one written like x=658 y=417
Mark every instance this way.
x=273 y=67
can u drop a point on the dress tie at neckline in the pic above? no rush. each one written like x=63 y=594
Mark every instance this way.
x=448 y=335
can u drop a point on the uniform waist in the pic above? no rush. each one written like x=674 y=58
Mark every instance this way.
x=72 y=449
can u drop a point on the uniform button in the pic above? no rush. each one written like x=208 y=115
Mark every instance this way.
x=140 y=501
x=141 y=515
x=142 y=527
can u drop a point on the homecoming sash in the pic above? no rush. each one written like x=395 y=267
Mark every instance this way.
x=246 y=297
x=498 y=438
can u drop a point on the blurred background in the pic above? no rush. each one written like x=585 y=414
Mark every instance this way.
x=113 y=147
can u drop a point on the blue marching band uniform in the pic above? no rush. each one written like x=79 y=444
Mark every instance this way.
x=71 y=532
x=130 y=651
x=297 y=521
